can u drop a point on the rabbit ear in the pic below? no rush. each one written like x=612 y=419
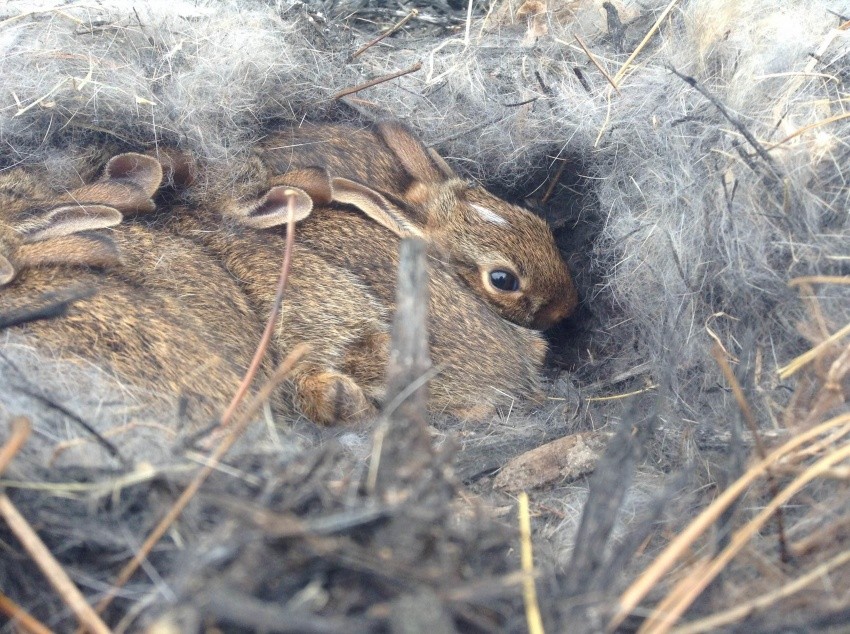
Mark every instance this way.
x=272 y=209
x=179 y=169
x=440 y=162
x=80 y=249
x=140 y=170
x=375 y=206
x=314 y=181
x=7 y=271
x=128 y=182
x=69 y=219
x=414 y=157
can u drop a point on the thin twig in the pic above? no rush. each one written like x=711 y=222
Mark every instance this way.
x=20 y=428
x=819 y=279
x=65 y=445
x=271 y=323
x=20 y=16
x=807 y=357
x=551 y=189
x=807 y=295
x=21 y=618
x=617 y=397
x=752 y=424
x=24 y=109
x=236 y=431
x=110 y=448
x=596 y=63
x=468 y=22
x=644 y=41
x=529 y=592
x=376 y=81
x=697 y=569
x=740 y=127
x=413 y=13
x=51 y=568
x=517 y=104
x=719 y=356
x=811 y=126
x=828 y=534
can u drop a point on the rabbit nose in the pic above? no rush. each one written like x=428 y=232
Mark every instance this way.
x=556 y=310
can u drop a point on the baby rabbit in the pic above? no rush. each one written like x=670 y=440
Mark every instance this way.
x=504 y=253
x=484 y=360
x=165 y=317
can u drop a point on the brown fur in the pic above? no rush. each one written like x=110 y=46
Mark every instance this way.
x=484 y=360
x=324 y=306
x=389 y=158
x=166 y=318
x=169 y=317
x=342 y=291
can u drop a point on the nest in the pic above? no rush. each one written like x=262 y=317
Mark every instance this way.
x=688 y=471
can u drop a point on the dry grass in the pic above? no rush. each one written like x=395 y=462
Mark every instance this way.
x=817 y=451
x=234 y=429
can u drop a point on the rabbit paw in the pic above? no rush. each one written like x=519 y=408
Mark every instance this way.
x=330 y=398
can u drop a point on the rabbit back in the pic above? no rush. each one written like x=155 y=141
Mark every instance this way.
x=341 y=377
x=162 y=316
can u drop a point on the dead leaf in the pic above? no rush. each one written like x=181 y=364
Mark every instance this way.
x=561 y=460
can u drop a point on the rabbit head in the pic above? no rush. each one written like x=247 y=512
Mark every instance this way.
x=505 y=253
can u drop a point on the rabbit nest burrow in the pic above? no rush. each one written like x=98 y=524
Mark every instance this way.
x=686 y=200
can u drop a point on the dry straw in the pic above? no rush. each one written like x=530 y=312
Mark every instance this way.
x=812 y=454
x=683 y=542
x=529 y=591
x=36 y=548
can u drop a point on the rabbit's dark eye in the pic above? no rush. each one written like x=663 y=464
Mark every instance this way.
x=504 y=280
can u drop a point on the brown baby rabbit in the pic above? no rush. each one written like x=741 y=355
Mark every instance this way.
x=506 y=254
x=483 y=359
x=164 y=317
